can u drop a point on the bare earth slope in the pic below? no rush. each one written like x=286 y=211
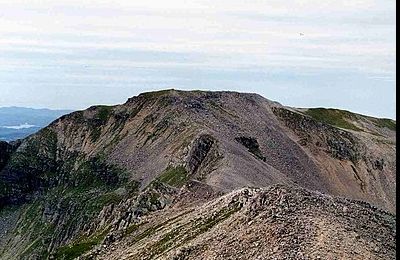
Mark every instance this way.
x=99 y=171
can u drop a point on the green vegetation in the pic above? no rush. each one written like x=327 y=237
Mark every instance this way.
x=160 y=128
x=103 y=113
x=81 y=246
x=342 y=118
x=30 y=222
x=146 y=233
x=102 y=116
x=174 y=176
x=82 y=205
x=9 y=209
x=200 y=227
x=48 y=141
x=134 y=227
x=102 y=200
x=72 y=252
x=38 y=158
x=30 y=215
x=96 y=172
x=77 y=117
x=132 y=187
x=83 y=187
x=334 y=117
x=165 y=242
x=95 y=134
x=385 y=122
x=207 y=224
x=162 y=244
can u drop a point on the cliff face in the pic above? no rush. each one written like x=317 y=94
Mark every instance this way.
x=97 y=172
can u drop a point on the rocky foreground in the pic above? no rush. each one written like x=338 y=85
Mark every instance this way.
x=279 y=222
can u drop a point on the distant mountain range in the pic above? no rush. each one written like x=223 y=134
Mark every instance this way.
x=19 y=122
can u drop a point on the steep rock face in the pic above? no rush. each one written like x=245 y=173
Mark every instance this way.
x=200 y=150
x=92 y=174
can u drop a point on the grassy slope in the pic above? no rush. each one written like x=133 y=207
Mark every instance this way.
x=344 y=119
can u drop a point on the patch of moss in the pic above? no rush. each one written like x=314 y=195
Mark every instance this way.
x=132 y=187
x=83 y=205
x=95 y=134
x=134 y=227
x=83 y=193
x=104 y=113
x=5 y=211
x=31 y=167
x=151 y=230
x=30 y=222
x=153 y=198
x=386 y=122
x=35 y=245
x=105 y=199
x=164 y=243
x=80 y=247
x=221 y=215
x=78 y=186
x=160 y=128
x=72 y=252
x=174 y=176
x=95 y=172
x=334 y=117
x=146 y=233
x=29 y=217
x=200 y=227
x=101 y=117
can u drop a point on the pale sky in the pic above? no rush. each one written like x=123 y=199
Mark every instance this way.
x=74 y=54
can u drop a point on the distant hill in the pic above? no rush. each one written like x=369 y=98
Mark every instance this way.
x=19 y=122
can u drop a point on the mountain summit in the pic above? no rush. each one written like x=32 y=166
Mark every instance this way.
x=93 y=177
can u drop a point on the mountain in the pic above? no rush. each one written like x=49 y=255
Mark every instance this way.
x=19 y=122
x=140 y=181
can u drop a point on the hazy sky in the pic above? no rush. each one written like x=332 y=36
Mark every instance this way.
x=73 y=54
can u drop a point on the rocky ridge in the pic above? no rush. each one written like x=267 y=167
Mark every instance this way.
x=279 y=222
